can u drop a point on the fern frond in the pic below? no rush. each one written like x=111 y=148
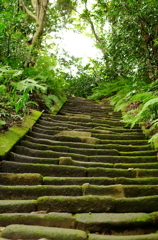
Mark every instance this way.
x=154 y=140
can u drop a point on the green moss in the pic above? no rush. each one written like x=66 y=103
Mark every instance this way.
x=11 y=137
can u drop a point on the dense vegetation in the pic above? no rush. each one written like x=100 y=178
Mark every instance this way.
x=126 y=73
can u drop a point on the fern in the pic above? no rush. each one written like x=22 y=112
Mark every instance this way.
x=154 y=140
x=148 y=112
x=28 y=85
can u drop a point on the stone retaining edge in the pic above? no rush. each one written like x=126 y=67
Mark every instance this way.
x=16 y=132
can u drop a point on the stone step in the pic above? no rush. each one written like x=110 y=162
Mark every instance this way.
x=37 y=179
x=17 y=206
x=100 y=134
x=66 y=149
x=95 y=141
x=119 y=147
x=99 y=181
x=76 y=118
x=40 y=218
x=43 y=169
x=117 y=191
x=32 y=192
x=97 y=204
x=85 y=122
x=132 y=237
x=87 y=161
x=112 y=223
x=57 y=126
x=129 y=166
x=21 y=179
x=74 y=171
x=20 y=231
x=116 y=223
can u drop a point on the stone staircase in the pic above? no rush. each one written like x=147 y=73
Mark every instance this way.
x=80 y=175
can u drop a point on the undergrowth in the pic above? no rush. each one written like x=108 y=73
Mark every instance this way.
x=19 y=94
x=137 y=100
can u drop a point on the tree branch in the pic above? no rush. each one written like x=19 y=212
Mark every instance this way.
x=27 y=10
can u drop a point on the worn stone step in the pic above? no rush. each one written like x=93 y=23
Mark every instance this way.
x=99 y=180
x=117 y=190
x=97 y=204
x=43 y=169
x=17 y=206
x=20 y=150
x=139 y=153
x=21 y=179
x=69 y=125
x=58 y=127
x=109 y=172
x=68 y=149
x=123 y=162
x=123 y=159
x=129 y=166
x=72 y=125
x=132 y=237
x=77 y=139
x=103 y=223
x=117 y=223
x=120 y=129
x=40 y=218
x=14 y=157
x=118 y=136
x=48 y=153
x=119 y=147
x=20 y=231
x=85 y=122
x=32 y=192
x=120 y=191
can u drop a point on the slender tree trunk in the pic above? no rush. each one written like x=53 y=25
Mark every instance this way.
x=39 y=15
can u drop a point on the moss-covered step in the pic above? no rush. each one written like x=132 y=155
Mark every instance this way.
x=70 y=125
x=14 y=157
x=32 y=192
x=124 y=142
x=89 y=140
x=97 y=204
x=78 y=180
x=120 y=191
x=135 y=173
x=129 y=166
x=118 y=136
x=48 y=153
x=99 y=181
x=120 y=129
x=119 y=147
x=68 y=149
x=89 y=124
x=123 y=159
x=125 y=237
x=62 y=220
x=20 y=231
x=43 y=169
x=86 y=140
x=21 y=179
x=18 y=206
x=115 y=223
x=70 y=162
x=15 y=133
x=139 y=153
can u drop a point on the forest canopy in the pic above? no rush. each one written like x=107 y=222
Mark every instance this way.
x=126 y=74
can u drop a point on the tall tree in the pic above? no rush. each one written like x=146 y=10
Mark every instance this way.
x=39 y=8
